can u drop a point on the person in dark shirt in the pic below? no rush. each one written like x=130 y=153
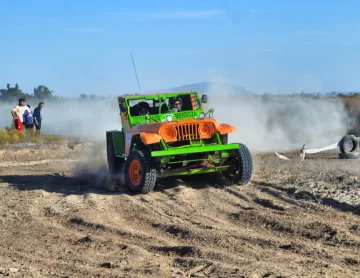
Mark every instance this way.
x=37 y=117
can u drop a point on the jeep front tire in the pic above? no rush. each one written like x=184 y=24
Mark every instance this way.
x=240 y=166
x=140 y=171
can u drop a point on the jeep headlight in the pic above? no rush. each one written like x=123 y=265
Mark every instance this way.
x=202 y=115
x=169 y=118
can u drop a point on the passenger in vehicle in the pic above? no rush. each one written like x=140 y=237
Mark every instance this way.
x=140 y=109
x=176 y=104
x=143 y=107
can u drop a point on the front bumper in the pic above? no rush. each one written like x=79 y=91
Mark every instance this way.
x=190 y=150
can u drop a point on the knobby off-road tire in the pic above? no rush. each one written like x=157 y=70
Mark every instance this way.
x=115 y=164
x=140 y=171
x=241 y=164
x=241 y=169
x=346 y=141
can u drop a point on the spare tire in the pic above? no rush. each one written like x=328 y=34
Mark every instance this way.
x=349 y=155
x=348 y=144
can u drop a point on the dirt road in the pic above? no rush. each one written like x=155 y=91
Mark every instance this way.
x=296 y=219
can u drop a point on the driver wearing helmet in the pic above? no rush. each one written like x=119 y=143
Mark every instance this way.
x=176 y=104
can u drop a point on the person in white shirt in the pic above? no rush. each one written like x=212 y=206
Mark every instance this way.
x=18 y=114
x=28 y=118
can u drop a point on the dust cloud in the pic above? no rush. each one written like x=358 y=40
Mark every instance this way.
x=263 y=124
x=87 y=119
x=79 y=118
x=282 y=123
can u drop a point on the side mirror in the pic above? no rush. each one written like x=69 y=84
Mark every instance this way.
x=122 y=107
x=204 y=98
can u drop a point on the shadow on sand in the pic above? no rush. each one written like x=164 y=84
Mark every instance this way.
x=79 y=185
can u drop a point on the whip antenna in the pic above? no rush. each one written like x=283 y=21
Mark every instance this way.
x=135 y=72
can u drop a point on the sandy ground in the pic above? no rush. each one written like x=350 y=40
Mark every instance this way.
x=295 y=219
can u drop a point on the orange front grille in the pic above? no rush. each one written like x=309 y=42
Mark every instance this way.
x=187 y=132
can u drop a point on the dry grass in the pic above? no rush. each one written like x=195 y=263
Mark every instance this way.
x=52 y=139
x=13 y=136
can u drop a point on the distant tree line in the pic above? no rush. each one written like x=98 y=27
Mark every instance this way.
x=43 y=93
x=40 y=93
x=14 y=93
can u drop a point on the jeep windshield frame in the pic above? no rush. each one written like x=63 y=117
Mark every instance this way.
x=160 y=109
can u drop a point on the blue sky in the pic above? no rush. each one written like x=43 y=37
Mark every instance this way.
x=81 y=46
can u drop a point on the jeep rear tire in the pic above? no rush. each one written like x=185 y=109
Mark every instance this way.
x=115 y=164
x=240 y=166
x=140 y=171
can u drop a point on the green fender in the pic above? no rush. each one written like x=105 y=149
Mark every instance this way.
x=116 y=138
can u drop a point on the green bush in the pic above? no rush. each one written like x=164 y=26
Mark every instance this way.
x=4 y=137
x=10 y=135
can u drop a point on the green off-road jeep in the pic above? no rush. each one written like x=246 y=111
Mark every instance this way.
x=160 y=140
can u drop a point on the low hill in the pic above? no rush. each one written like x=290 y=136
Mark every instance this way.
x=208 y=88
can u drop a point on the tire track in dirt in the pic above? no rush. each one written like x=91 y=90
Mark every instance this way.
x=222 y=249
x=77 y=229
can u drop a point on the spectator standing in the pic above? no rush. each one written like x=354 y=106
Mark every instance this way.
x=28 y=118
x=18 y=113
x=38 y=117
